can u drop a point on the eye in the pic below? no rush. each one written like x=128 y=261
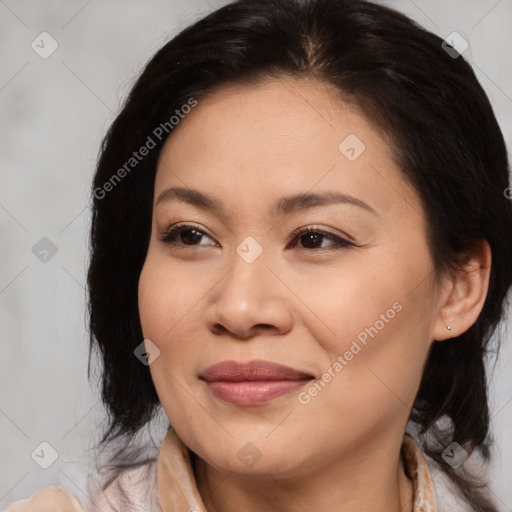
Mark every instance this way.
x=188 y=234
x=311 y=238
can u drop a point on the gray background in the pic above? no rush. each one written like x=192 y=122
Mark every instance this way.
x=54 y=112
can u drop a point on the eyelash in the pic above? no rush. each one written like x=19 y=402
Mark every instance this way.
x=339 y=243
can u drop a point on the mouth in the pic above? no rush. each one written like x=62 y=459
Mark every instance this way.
x=252 y=383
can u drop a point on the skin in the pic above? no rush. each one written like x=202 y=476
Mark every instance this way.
x=297 y=304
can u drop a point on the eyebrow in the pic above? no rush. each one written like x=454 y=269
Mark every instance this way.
x=282 y=206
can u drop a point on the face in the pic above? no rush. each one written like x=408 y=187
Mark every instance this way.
x=347 y=306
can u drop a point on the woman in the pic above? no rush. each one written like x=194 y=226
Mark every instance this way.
x=301 y=246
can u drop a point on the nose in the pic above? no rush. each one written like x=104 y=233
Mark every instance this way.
x=249 y=300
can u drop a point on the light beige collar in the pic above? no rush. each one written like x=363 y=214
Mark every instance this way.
x=424 y=493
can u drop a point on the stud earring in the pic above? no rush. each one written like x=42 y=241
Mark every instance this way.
x=449 y=327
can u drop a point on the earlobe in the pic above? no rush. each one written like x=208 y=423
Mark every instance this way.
x=462 y=304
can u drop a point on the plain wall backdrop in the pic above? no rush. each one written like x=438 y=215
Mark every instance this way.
x=55 y=109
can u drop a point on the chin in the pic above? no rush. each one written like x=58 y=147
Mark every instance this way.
x=251 y=455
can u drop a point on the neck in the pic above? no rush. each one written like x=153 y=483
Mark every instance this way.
x=357 y=481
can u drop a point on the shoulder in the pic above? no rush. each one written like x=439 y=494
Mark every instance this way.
x=433 y=487
x=54 y=498
x=449 y=496
x=132 y=489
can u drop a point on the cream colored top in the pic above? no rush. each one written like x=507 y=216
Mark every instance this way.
x=168 y=485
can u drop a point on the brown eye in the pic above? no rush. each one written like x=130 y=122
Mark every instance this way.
x=312 y=238
x=186 y=234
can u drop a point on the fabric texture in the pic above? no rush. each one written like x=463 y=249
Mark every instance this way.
x=168 y=485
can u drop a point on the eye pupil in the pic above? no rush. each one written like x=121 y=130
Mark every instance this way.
x=313 y=237
x=189 y=240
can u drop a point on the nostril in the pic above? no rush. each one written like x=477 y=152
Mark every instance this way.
x=219 y=329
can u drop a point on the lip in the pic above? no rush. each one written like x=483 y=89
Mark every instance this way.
x=252 y=383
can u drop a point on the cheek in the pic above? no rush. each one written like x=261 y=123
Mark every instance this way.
x=169 y=302
x=374 y=332
x=165 y=311
x=153 y=302
x=368 y=384
x=349 y=303
x=166 y=298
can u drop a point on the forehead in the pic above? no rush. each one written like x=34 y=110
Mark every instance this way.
x=280 y=135
x=285 y=112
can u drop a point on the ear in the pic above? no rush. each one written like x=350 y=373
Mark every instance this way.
x=464 y=294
